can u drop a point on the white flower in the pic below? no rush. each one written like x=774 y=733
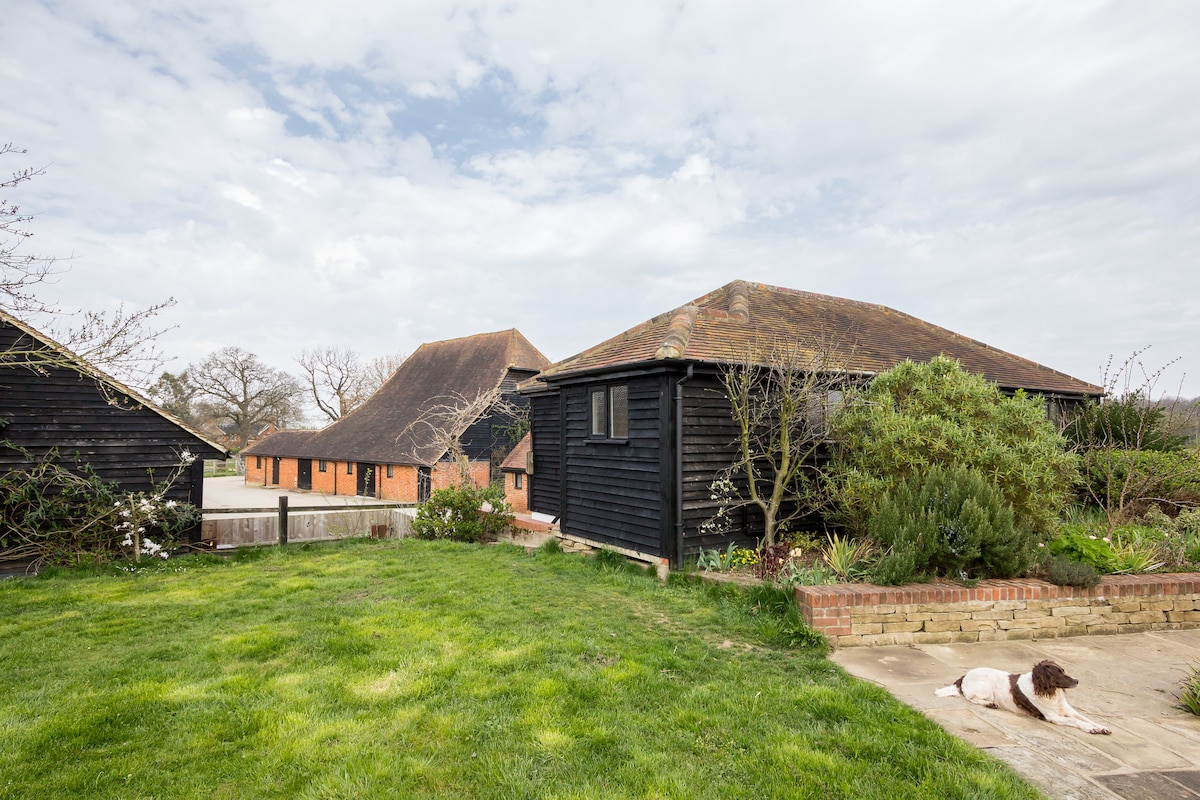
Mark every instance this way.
x=171 y=504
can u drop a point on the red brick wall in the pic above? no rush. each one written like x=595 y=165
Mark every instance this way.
x=402 y=486
x=255 y=474
x=517 y=498
x=446 y=475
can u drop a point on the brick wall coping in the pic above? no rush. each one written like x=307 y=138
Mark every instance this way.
x=853 y=615
x=866 y=594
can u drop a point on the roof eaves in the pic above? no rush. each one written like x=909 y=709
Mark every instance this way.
x=84 y=367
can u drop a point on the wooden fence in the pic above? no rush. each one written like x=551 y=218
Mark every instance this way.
x=239 y=528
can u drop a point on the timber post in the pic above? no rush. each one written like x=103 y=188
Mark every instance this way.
x=283 y=520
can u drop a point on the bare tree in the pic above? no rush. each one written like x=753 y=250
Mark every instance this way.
x=437 y=433
x=332 y=376
x=121 y=342
x=376 y=371
x=234 y=386
x=781 y=396
x=1131 y=444
x=338 y=383
x=177 y=395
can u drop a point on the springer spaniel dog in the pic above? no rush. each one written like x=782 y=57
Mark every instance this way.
x=1039 y=693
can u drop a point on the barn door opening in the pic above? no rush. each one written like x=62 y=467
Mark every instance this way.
x=304 y=473
x=366 y=480
x=275 y=470
x=424 y=484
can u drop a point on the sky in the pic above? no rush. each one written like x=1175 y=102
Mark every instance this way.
x=375 y=174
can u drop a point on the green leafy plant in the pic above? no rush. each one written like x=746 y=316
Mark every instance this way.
x=845 y=556
x=815 y=574
x=1064 y=571
x=1086 y=544
x=1179 y=545
x=951 y=523
x=918 y=416
x=1189 y=691
x=1135 y=557
x=55 y=515
x=463 y=513
x=714 y=560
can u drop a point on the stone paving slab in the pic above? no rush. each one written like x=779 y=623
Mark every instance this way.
x=1127 y=682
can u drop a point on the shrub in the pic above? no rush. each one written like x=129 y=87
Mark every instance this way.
x=1064 y=571
x=458 y=513
x=917 y=416
x=59 y=516
x=1128 y=422
x=1127 y=483
x=951 y=522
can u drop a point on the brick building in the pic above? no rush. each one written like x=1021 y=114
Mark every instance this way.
x=396 y=445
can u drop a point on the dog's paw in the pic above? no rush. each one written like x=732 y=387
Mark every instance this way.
x=1098 y=729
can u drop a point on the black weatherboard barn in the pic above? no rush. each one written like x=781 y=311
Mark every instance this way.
x=629 y=435
x=51 y=400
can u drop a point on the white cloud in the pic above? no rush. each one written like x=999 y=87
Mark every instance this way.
x=375 y=175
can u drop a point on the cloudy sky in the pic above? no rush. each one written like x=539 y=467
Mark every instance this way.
x=376 y=174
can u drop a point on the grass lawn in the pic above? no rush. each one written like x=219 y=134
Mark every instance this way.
x=409 y=669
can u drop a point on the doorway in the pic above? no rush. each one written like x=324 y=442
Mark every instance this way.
x=304 y=473
x=424 y=484
x=366 y=480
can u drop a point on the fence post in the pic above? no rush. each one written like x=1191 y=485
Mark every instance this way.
x=283 y=521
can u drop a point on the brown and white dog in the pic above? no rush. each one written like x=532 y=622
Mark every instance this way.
x=1039 y=693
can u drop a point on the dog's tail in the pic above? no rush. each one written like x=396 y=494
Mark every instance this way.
x=951 y=690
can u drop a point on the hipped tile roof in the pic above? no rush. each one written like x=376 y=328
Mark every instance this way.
x=385 y=429
x=741 y=318
x=519 y=457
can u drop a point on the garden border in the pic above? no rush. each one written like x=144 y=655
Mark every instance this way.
x=856 y=615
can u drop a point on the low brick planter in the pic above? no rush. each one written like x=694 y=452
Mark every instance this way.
x=856 y=615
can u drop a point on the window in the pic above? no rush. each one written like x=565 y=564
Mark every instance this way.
x=349 y=468
x=610 y=412
x=389 y=471
x=618 y=412
x=599 y=412
x=518 y=481
x=258 y=462
x=322 y=465
x=821 y=410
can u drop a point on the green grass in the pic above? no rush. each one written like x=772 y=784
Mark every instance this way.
x=431 y=670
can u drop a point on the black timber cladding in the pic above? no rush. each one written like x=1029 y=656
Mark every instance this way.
x=710 y=445
x=118 y=435
x=545 y=484
x=615 y=492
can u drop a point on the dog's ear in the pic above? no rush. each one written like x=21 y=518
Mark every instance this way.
x=1049 y=677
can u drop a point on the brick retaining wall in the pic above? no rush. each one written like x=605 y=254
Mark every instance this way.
x=854 y=615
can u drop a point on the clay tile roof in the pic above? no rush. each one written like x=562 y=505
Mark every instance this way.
x=280 y=443
x=384 y=429
x=519 y=457
x=725 y=325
